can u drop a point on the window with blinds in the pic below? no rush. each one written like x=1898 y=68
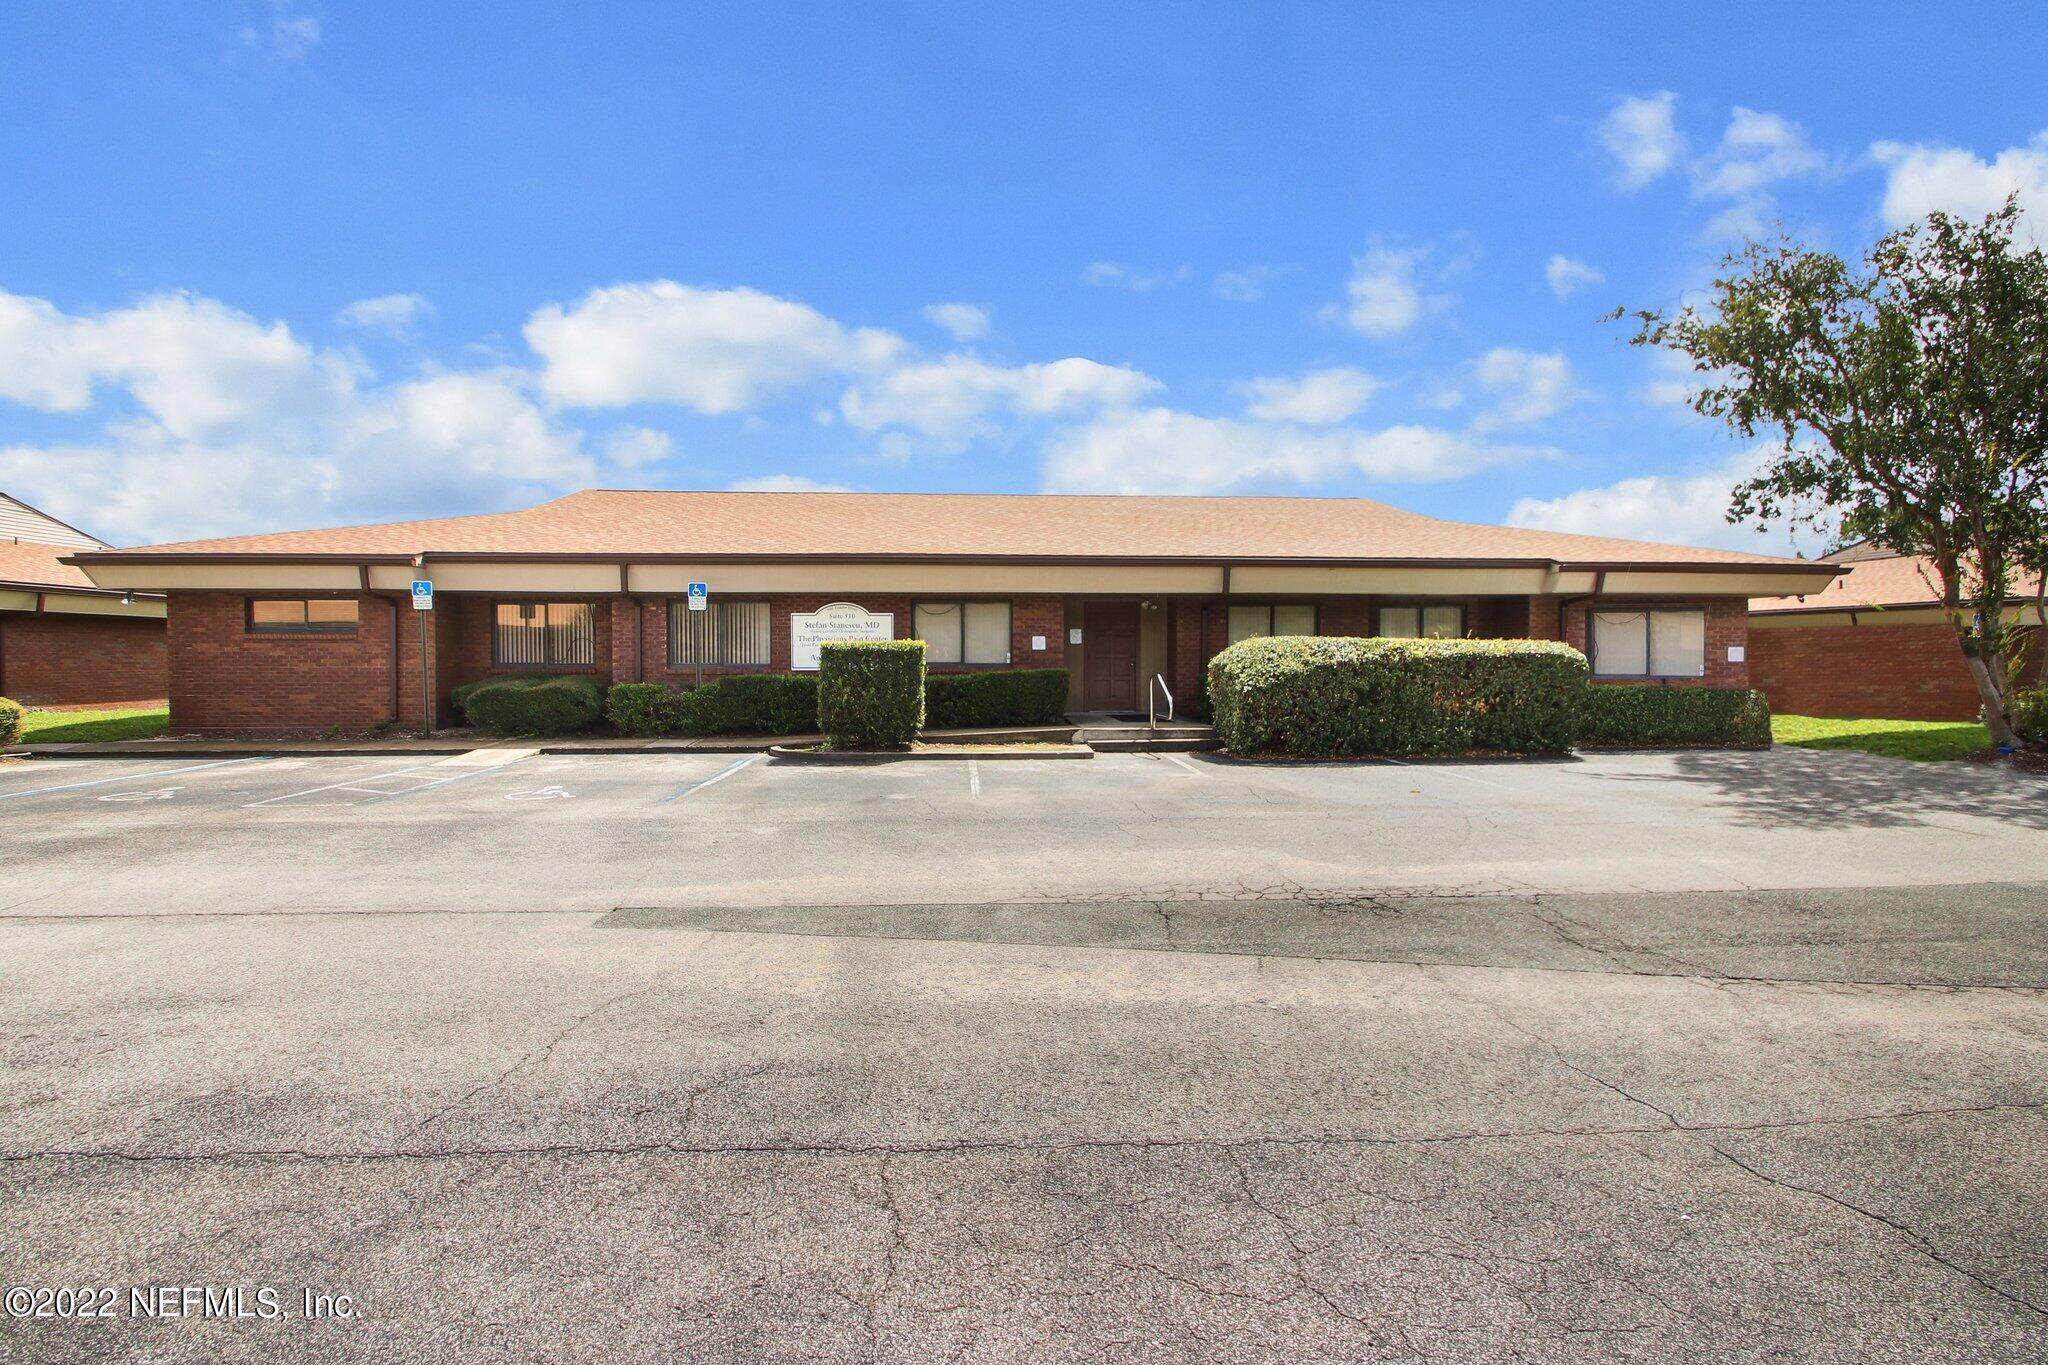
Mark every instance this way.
x=1439 y=622
x=725 y=634
x=1649 y=644
x=963 y=632
x=560 y=634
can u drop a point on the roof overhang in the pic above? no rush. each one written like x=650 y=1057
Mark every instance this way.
x=661 y=573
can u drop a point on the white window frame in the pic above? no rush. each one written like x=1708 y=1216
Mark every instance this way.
x=960 y=606
x=1649 y=669
x=1421 y=610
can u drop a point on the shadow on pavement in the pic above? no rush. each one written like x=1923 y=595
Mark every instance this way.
x=1807 y=789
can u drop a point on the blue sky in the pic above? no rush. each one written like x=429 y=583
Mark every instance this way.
x=276 y=264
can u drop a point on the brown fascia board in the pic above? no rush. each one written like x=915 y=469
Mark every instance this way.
x=626 y=557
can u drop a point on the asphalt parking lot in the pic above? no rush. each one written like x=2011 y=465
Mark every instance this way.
x=1638 y=1057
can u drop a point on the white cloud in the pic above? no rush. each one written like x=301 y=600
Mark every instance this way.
x=716 y=351
x=1383 y=297
x=1673 y=509
x=393 y=313
x=1159 y=450
x=1318 y=398
x=637 y=447
x=1567 y=275
x=1643 y=138
x=1923 y=177
x=951 y=397
x=285 y=34
x=1245 y=286
x=1527 y=386
x=964 y=321
x=1138 y=279
x=233 y=424
x=786 y=483
x=1756 y=150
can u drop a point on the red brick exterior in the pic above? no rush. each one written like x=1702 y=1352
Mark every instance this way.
x=224 y=679
x=1875 y=669
x=60 y=659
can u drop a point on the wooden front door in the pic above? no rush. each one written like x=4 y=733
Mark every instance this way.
x=1109 y=656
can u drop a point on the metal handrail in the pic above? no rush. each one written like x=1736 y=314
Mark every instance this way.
x=1152 y=701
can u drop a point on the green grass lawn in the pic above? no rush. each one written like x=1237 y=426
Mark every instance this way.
x=1927 y=741
x=94 y=727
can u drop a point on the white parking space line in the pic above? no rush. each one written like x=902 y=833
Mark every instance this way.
x=417 y=777
x=1180 y=762
x=974 y=779
x=1447 y=772
x=727 y=771
x=128 y=777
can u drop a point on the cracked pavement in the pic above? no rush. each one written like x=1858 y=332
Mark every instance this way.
x=624 y=1085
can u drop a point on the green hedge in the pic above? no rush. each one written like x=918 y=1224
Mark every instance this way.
x=2028 y=708
x=11 y=713
x=1630 y=713
x=531 y=705
x=753 y=704
x=870 y=692
x=1016 y=696
x=1338 y=697
x=644 y=708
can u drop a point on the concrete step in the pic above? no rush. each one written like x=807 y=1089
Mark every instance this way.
x=1139 y=743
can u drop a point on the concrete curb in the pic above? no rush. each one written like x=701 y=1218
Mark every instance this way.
x=782 y=754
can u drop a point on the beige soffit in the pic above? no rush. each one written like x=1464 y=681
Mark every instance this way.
x=197 y=577
x=1761 y=583
x=79 y=604
x=727 y=579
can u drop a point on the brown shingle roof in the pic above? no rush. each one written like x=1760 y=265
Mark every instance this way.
x=614 y=524
x=41 y=566
x=1886 y=580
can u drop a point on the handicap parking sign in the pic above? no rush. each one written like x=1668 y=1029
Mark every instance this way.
x=699 y=593
x=422 y=594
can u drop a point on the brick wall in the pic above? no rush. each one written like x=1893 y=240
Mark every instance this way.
x=57 y=659
x=224 y=679
x=1890 y=672
x=1727 y=627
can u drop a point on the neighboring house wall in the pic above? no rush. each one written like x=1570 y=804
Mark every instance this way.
x=19 y=521
x=59 y=659
x=1877 y=668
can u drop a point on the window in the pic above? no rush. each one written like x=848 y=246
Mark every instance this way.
x=1649 y=644
x=963 y=632
x=302 y=615
x=1289 y=618
x=1441 y=622
x=728 y=634
x=562 y=634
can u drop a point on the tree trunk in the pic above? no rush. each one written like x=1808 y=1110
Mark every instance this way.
x=1990 y=676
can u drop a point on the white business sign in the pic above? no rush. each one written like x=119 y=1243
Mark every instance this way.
x=834 y=621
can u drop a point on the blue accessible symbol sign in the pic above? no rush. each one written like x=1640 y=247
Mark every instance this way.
x=700 y=593
x=422 y=594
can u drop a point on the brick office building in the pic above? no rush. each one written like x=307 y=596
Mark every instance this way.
x=64 y=640
x=1873 y=643
x=310 y=630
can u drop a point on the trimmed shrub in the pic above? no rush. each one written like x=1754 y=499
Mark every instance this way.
x=870 y=692
x=1015 y=696
x=531 y=705
x=11 y=714
x=752 y=704
x=644 y=708
x=1337 y=697
x=1720 y=717
x=2028 y=708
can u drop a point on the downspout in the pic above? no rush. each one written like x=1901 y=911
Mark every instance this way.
x=392 y=603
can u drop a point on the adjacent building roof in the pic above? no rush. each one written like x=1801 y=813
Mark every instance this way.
x=1875 y=578
x=19 y=521
x=609 y=524
x=41 y=568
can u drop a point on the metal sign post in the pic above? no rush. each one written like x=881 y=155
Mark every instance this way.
x=700 y=600
x=422 y=604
